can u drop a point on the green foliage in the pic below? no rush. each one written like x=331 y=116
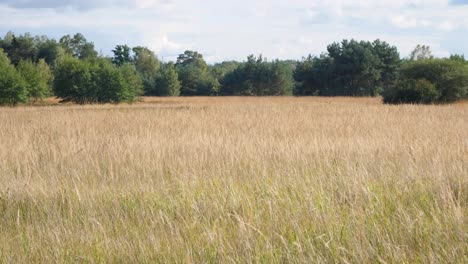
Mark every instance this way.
x=259 y=77
x=73 y=81
x=421 y=52
x=145 y=61
x=190 y=57
x=450 y=77
x=411 y=91
x=50 y=51
x=280 y=78
x=13 y=88
x=349 y=68
x=219 y=70
x=194 y=75
x=78 y=46
x=147 y=65
x=312 y=75
x=131 y=87
x=121 y=55
x=38 y=78
x=107 y=82
x=167 y=83
x=19 y=47
x=96 y=81
x=356 y=67
x=26 y=47
x=459 y=58
x=389 y=63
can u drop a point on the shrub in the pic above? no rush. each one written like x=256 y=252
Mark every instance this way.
x=412 y=91
x=107 y=82
x=167 y=83
x=449 y=77
x=131 y=85
x=13 y=88
x=73 y=81
x=38 y=78
x=97 y=81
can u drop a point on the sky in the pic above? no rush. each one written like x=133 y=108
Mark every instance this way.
x=231 y=30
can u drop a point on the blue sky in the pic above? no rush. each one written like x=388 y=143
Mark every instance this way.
x=225 y=30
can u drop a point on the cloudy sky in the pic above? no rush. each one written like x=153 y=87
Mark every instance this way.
x=225 y=29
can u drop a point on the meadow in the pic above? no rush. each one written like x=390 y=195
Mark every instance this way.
x=234 y=180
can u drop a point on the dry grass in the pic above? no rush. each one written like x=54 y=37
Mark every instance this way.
x=234 y=180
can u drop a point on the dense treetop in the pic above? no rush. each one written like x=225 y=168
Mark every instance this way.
x=34 y=67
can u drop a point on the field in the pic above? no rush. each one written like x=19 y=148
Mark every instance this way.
x=207 y=180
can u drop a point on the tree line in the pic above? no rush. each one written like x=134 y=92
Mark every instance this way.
x=35 y=67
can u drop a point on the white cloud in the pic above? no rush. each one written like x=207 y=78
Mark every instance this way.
x=234 y=29
x=161 y=44
x=166 y=5
x=407 y=22
x=447 y=26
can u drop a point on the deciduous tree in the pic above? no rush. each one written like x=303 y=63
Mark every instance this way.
x=13 y=88
x=38 y=78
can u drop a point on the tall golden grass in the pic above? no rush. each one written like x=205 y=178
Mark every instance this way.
x=200 y=180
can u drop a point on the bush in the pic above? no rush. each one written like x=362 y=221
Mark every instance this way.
x=167 y=83
x=73 y=81
x=131 y=86
x=96 y=81
x=13 y=88
x=412 y=91
x=107 y=82
x=38 y=78
x=449 y=77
